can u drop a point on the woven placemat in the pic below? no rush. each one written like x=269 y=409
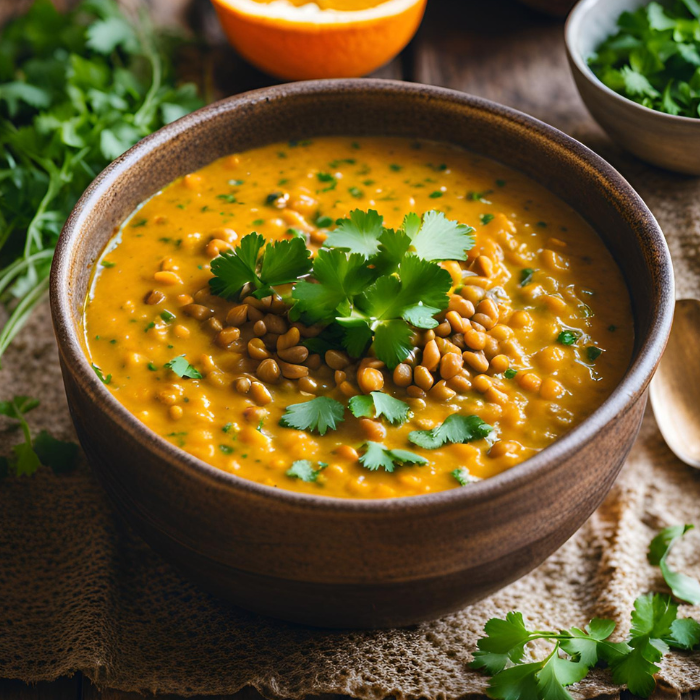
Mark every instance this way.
x=79 y=591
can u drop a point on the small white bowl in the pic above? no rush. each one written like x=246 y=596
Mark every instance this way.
x=658 y=138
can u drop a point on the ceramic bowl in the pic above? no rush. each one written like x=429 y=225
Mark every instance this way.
x=665 y=140
x=359 y=563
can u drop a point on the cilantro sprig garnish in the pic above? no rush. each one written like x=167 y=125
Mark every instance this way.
x=378 y=404
x=655 y=628
x=319 y=414
x=29 y=455
x=455 y=428
x=78 y=89
x=368 y=285
x=282 y=262
x=374 y=283
x=653 y=57
x=378 y=456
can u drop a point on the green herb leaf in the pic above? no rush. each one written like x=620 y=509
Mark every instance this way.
x=100 y=376
x=319 y=414
x=59 y=455
x=377 y=456
x=486 y=219
x=462 y=476
x=379 y=404
x=568 y=337
x=232 y=269
x=183 y=368
x=358 y=234
x=526 y=276
x=438 y=238
x=593 y=353
x=304 y=470
x=456 y=428
x=683 y=587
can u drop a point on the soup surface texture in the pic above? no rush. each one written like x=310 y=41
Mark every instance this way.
x=407 y=369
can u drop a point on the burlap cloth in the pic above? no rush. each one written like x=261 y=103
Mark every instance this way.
x=79 y=591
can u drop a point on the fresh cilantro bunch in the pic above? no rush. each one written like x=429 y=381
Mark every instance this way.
x=654 y=59
x=655 y=628
x=76 y=90
x=29 y=455
x=371 y=284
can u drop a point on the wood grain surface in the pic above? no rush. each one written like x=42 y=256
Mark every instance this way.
x=496 y=49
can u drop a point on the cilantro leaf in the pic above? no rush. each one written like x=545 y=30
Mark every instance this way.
x=516 y=683
x=392 y=342
x=652 y=616
x=556 y=674
x=233 y=269
x=441 y=239
x=59 y=455
x=285 y=261
x=104 y=379
x=339 y=277
x=568 y=337
x=462 y=476
x=685 y=633
x=319 y=414
x=504 y=642
x=19 y=406
x=683 y=587
x=303 y=469
x=379 y=404
x=584 y=646
x=183 y=368
x=456 y=428
x=26 y=461
x=636 y=670
x=358 y=234
x=377 y=456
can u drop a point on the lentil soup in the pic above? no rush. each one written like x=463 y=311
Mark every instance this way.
x=336 y=380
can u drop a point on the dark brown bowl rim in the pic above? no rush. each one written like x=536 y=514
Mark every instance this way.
x=622 y=398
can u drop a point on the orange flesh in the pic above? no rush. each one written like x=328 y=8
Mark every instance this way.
x=576 y=285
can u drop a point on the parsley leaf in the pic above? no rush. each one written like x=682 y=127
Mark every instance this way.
x=183 y=368
x=683 y=587
x=379 y=404
x=319 y=414
x=568 y=337
x=377 y=456
x=456 y=428
x=462 y=476
x=303 y=469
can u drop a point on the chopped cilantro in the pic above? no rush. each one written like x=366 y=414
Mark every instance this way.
x=379 y=404
x=303 y=469
x=139 y=223
x=230 y=198
x=272 y=198
x=479 y=196
x=228 y=427
x=436 y=194
x=235 y=183
x=396 y=168
x=319 y=414
x=167 y=316
x=152 y=367
x=510 y=373
x=100 y=376
x=107 y=263
x=462 y=476
x=456 y=428
x=593 y=353
x=296 y=233
x=180 y=437
x=526 y=276
x=324 y=221
x=654 y=56
x=568 y=337
x=149 y=325
x=356 y=192
x=183 y=368
x=226 y=449
x=486 y=219
x=377 y=456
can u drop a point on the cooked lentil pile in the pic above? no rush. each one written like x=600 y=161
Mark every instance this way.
x=363 y=318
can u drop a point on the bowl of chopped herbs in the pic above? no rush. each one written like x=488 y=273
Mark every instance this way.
x=637 y=67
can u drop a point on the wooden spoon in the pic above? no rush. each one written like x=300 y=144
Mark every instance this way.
x=675 y=390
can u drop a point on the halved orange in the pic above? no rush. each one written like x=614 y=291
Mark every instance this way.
x=301 y=40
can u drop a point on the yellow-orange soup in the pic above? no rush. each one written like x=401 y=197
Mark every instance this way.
x=541 y=333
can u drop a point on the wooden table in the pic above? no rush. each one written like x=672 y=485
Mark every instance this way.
x=497 y=49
